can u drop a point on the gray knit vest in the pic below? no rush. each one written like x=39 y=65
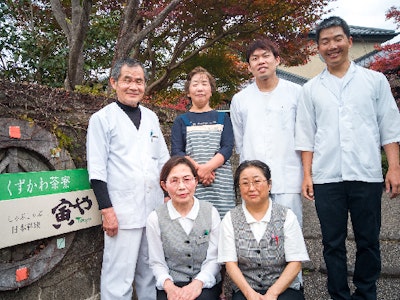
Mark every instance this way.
x=261 y=263
x=184 y=254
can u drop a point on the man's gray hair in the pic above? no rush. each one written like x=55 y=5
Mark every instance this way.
x=130 y=62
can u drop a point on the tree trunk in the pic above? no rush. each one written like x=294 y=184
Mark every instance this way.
x=75 y=31
x=132 y=30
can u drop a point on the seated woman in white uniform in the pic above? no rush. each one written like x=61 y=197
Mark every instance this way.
x=183 y=237
x=261 y=242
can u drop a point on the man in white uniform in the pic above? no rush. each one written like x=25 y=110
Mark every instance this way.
x=125 y=153
x=263 y=118
x=346 y=114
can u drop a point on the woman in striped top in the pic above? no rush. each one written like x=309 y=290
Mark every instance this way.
x=205 y=137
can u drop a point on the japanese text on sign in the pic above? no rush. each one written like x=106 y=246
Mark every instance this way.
x=22 y=185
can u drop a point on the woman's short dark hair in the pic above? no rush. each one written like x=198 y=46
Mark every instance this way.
x=173 y=162
x=264 y=44
x=333 y=21
x=247 y=164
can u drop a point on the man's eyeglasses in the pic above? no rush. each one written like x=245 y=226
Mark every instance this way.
x=256 y=183
x=129 y=82
x=175 y=181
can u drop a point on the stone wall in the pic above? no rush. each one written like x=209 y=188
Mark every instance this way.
x=63 y=113
x=66 y=116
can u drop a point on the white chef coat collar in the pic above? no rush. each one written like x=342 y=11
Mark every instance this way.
x=325 y=73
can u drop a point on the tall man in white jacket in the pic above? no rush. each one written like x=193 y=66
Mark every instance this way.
x=125 y=153
x=346 y=114
x=263 y=118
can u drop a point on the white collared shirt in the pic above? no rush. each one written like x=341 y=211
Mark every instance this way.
x=209 y=268
x=295 y=247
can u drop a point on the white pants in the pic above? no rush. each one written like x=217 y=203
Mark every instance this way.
x=292 y=201
x=125 y=260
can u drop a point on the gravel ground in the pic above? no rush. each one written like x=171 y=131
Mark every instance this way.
x=314 y=271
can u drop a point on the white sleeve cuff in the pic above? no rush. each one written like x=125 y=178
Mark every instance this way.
x=161 y=279
x=208 y=280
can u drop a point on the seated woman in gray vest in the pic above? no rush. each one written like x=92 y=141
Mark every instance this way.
x=183 y=238
x=261 y=242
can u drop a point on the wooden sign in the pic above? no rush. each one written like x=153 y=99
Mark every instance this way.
x=36 y=205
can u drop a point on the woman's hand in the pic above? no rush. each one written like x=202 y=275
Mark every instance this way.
x=188 y=292
x=253 y=295
x=206 y=174
x=173 y=292
x=208 y=180
x=192 y=290
x=270 y=295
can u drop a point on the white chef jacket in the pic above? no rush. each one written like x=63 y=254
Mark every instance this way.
x=209 y=269
x=345 y=130
x=263 y=126
x=129 y=160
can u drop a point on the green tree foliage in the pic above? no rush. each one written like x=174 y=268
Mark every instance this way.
x=169 y=36
x=387 y=60
x=228 y=68
x=197 y=25
x=32 y=46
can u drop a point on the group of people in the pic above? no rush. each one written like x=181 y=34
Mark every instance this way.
x=162 y=212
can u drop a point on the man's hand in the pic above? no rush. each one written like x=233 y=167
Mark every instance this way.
x=307 y=188
x=110 y=221
x=392 y=181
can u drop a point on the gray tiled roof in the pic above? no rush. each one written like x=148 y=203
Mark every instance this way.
x=358 y=33
x=366 y=59
x=358 y=30
x=366 y=34
x=291 y=77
